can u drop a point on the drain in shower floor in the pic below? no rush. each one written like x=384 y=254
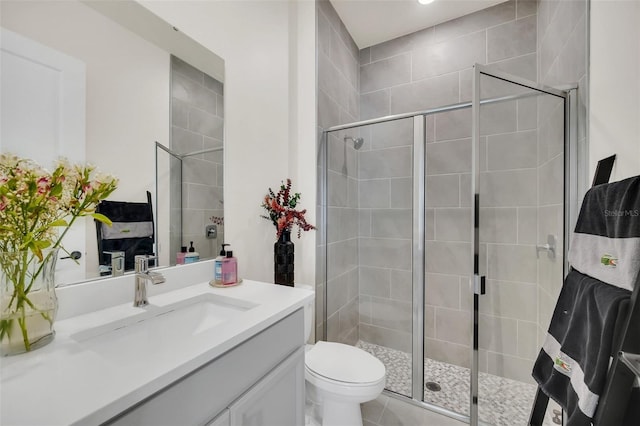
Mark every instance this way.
x=432 y=386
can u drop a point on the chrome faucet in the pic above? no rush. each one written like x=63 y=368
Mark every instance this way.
x=117 y=263
x=143 y=275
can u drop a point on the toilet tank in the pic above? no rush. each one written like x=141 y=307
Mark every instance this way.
x=308 y=312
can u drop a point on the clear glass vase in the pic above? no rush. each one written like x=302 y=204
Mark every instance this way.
x=28 y=300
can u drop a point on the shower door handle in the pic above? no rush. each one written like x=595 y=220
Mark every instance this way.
x=479 y=284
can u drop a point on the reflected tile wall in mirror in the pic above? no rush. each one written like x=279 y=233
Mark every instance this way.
x=196 y=125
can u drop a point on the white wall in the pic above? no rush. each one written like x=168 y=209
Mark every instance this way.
x=127 y=91
x=269 y=50
x=614 y=118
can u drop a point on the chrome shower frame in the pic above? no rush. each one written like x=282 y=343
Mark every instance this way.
x=575 y=163
x=180 y=158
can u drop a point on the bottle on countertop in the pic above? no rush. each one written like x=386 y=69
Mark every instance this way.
x=229 y=269
x=180 y=256
x=217 y=265
x=192 y=256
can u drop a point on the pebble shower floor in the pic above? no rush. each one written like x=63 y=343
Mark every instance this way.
x=503 y=402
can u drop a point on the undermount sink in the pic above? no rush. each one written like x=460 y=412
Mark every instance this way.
x=162 y=327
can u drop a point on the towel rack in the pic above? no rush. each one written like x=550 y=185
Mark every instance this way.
x=624 y=369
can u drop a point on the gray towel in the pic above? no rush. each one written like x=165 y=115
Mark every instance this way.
x=606 y=242
x=572 y=365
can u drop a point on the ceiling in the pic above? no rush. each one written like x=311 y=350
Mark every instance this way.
x=374 y=21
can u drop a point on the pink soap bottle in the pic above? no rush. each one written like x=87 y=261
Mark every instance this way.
x=180 y=256
x=229 y=269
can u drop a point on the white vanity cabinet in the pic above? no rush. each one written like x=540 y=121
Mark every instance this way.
x=277 y=399
x=259 y=382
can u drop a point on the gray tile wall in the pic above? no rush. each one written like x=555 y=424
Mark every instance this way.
x=197 y=123
x=385 y=234
x=562 y=46
x=427 y=69
x=338 y=102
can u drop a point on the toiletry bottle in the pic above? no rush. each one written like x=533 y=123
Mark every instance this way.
x=229 y=269
x=217 y=265
x=180 y=256
x=192 y=256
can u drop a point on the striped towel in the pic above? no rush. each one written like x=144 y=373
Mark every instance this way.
x=572 y=365
x=606 y=242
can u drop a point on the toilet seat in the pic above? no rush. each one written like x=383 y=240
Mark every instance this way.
x=344 y=364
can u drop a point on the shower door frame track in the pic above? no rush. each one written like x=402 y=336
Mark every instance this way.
x=572 y=154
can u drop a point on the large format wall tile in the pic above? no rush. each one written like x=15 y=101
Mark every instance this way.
x=453 y=125
x=193 y=92
x=385 y=73
x=392 y=223
x=375 y=281
x=393 y=339
x=508 y=188
x=443 y=191
x=448 y=257
x=374 y=193
x=391 y=133
x=510 y=367
x=514 y=38
x=499 y=225
x=551 y=178
x=342 y=258
x=374 y=104
x=452 y=156
x=512 y=151
x=453 y=224
x=386 y=163
x=482 y=19
x=425 y=94
x=401 y=193
x=498 y=334
x=449 y=352
x=510 y=300
x=512 y=263
x=437 y=59
x=401 y=285
x=442 y=290
x=205 y=123
x=453 y=325
x=385 y=253
x=391 y=314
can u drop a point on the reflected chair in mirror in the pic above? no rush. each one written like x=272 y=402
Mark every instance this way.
x=132 y=232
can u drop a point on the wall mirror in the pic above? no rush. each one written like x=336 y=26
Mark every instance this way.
x=128 y=83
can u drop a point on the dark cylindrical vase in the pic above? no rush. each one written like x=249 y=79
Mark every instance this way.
x=283 y=260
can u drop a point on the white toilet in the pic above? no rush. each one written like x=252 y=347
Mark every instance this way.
x=339 y=378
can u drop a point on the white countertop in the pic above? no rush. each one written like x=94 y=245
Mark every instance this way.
x=65 y=383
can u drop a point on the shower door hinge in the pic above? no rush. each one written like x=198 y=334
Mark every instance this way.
x=479 y=286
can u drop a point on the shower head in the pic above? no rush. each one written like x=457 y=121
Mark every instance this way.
x=357 y=142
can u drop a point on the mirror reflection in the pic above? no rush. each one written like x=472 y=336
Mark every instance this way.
x=131 y=82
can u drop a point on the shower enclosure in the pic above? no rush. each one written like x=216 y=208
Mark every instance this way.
x=443 y=245
x=172 y=186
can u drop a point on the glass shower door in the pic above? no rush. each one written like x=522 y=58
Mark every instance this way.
x=518 y=179
x=370 y=243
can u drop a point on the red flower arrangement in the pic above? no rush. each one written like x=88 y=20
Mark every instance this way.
x=281 y=208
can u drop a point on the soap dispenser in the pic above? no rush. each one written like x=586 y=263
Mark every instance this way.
x=229 y=269
x=192 y=256
x=181 y=255
x=217 y=265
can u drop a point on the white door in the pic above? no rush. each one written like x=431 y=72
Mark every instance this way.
x=43 y=118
